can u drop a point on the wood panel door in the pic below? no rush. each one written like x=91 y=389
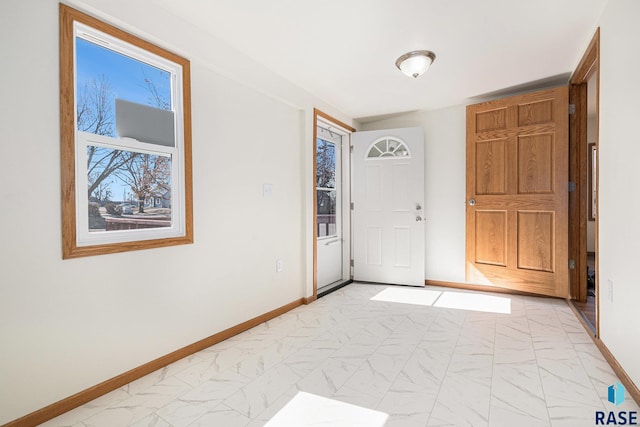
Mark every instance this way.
x=517 y=193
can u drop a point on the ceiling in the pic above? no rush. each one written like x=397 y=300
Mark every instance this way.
x=344 y=51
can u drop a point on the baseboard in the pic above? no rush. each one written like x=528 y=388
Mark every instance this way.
x=626 y=381
x=474 y=287
x=58 y=408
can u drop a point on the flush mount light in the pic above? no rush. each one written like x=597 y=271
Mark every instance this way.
x=415 y=63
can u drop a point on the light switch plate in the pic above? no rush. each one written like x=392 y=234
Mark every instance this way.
x=267 y=190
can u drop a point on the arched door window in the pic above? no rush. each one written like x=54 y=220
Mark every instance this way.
x=388 y=147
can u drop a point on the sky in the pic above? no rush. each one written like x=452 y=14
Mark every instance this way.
x=125 y=74
x=126 y=77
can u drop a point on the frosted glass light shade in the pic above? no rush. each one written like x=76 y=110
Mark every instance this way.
x=415 y=63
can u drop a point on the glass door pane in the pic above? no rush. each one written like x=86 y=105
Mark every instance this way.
x=326 y=213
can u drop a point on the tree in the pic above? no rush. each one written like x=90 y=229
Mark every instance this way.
x=325 y=164
x=95 y=109
x=102 y=192
x=156 y=97
x=147 y=175
x=95 y=115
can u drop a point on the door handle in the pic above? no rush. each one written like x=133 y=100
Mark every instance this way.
x=332 y=241
x=472 y=202
x=419 y=218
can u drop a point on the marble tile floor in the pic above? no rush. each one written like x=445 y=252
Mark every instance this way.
x=523 y=361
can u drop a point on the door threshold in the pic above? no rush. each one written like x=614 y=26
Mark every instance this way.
x=331 y=287
x=585 y=319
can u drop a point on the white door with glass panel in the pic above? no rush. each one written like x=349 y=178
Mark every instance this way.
x=329 y=207
x=388 y=212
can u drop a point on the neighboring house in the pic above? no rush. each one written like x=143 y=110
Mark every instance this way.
x=164 y=201
x=160 y=199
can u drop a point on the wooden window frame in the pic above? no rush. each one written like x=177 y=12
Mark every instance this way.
x=70 y=246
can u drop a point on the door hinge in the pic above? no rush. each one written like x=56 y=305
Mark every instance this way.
x=572 y=264
x=572 y=108
x=572 y=186
x=351 y=148
x=351 y=263
x=351 y=205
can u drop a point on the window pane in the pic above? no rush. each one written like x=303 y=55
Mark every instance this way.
x=325 y=164
x=127 y=190
x=104 y=75
x=388 y=148
x=382 y=146
x=374 y=152
x=401 y=151
x=326 y=214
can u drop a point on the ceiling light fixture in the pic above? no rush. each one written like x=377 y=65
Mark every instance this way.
x=415 y=63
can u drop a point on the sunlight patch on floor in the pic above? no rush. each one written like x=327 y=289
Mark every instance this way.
x=445 y=299
x=416 y=296
x=306 y=410
x=474 y=302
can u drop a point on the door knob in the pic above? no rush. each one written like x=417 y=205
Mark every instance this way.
x=472 y=202
x=418 y=218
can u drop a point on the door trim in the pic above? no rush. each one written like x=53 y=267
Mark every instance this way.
x=579 y=199
x=317 y=114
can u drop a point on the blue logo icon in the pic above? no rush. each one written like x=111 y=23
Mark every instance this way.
x=616 y=394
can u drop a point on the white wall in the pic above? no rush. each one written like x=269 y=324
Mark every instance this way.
x=68 y=325
x=445 y=174
x=619 y=204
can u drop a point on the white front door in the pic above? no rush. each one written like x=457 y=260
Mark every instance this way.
x=388 y=211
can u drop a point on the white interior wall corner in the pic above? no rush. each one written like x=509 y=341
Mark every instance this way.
x=619 y=151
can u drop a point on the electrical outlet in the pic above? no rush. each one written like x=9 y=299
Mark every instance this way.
x=279 y=266
x=610 y=289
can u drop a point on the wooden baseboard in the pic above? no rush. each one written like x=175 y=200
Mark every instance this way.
x=474 y=287
x=626 y=381
x=85 y=396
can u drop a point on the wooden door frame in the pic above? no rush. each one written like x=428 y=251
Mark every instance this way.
x=578 y=164
x=316 y=114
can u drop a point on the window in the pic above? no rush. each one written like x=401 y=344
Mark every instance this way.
x=388 y=147
x=326 y=193
x=125 y=140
